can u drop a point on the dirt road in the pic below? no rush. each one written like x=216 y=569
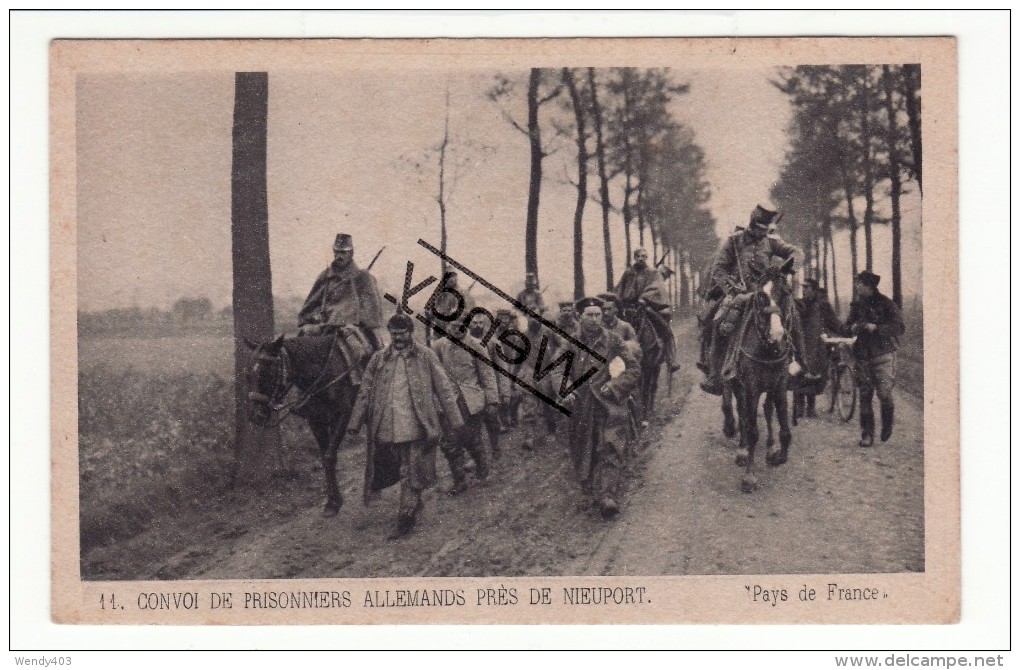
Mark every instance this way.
x=833 y=507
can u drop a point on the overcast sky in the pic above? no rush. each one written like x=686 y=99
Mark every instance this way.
x=154 y=156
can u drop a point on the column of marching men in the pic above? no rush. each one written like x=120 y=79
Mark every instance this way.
x=415 y=399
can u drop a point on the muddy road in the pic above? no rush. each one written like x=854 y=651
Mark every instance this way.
x=833 y=507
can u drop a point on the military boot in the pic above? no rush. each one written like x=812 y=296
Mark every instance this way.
x=867 y=429
x=481 y=459
x=455 y=459
x=887 y=420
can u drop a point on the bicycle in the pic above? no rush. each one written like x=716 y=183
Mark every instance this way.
x=842 y=383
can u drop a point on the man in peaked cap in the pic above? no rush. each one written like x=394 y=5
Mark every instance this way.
x=342 y=295
x=566 y=318
x=611 y=318
x=736 y=269
x=876 y=321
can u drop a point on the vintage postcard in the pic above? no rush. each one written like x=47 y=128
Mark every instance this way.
x=504 y=331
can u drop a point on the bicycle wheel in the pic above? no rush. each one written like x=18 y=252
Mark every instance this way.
x=845 y=393
x=833 y=387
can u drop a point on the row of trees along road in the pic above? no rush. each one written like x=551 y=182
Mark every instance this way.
x=650 y=174
x=855 y=134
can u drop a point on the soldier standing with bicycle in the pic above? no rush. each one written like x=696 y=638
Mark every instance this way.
x=816 y=317
x=876 y=321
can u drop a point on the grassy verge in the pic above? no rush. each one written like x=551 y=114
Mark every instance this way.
x=152 y=444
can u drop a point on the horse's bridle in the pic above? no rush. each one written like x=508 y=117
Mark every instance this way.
x=283 y=383
x=760 y=326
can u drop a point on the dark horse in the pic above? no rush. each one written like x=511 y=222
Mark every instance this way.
x=653 y=351
x=324 y=369
x=764 y=350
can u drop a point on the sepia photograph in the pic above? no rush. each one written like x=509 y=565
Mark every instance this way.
x=393 y=324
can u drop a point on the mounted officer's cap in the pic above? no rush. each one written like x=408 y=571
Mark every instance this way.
x=764 y=218
x=609 y=297
x=400 y=321
x=566 y=304
x=584 y=303
x=343 y=242
x=868 y=278
x=811 y=282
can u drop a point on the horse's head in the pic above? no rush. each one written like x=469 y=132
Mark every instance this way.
x=772 y=296
x=267 y=380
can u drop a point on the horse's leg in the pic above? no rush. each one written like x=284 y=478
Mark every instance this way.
x=769 y=408
x=653 y=387
x=783 y=414
x=327 y=456
x=752 y=395
x=743 y=453
x=729 y=424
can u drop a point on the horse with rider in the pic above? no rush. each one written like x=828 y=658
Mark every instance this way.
x=340 y=326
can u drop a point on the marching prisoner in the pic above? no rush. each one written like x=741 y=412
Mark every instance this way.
x=600 y=419
x=478 y=398
x=406 y=401
x=506 y=389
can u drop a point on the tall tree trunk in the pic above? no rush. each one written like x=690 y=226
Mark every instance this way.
x=848 y=192
x=252 y=277
x=640 y=210
x=442 y=184
x=911 y=83
x=894 y=184
x=818 y=256
x=600 y=161
x=582 y=182
x=685 y=284
x=825 y=253
x=835 y=273
x=535 y=182
x=627 y=190
x=867 y=167
x=628 y=166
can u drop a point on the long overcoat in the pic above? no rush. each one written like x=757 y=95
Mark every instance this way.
x=598 y=422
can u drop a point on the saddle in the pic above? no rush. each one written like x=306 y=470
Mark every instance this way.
x=727 y=317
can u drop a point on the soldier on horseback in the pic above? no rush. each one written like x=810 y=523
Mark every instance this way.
x=643 y=283
x=343 y=295
x=735 y=271
x=531 y=296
